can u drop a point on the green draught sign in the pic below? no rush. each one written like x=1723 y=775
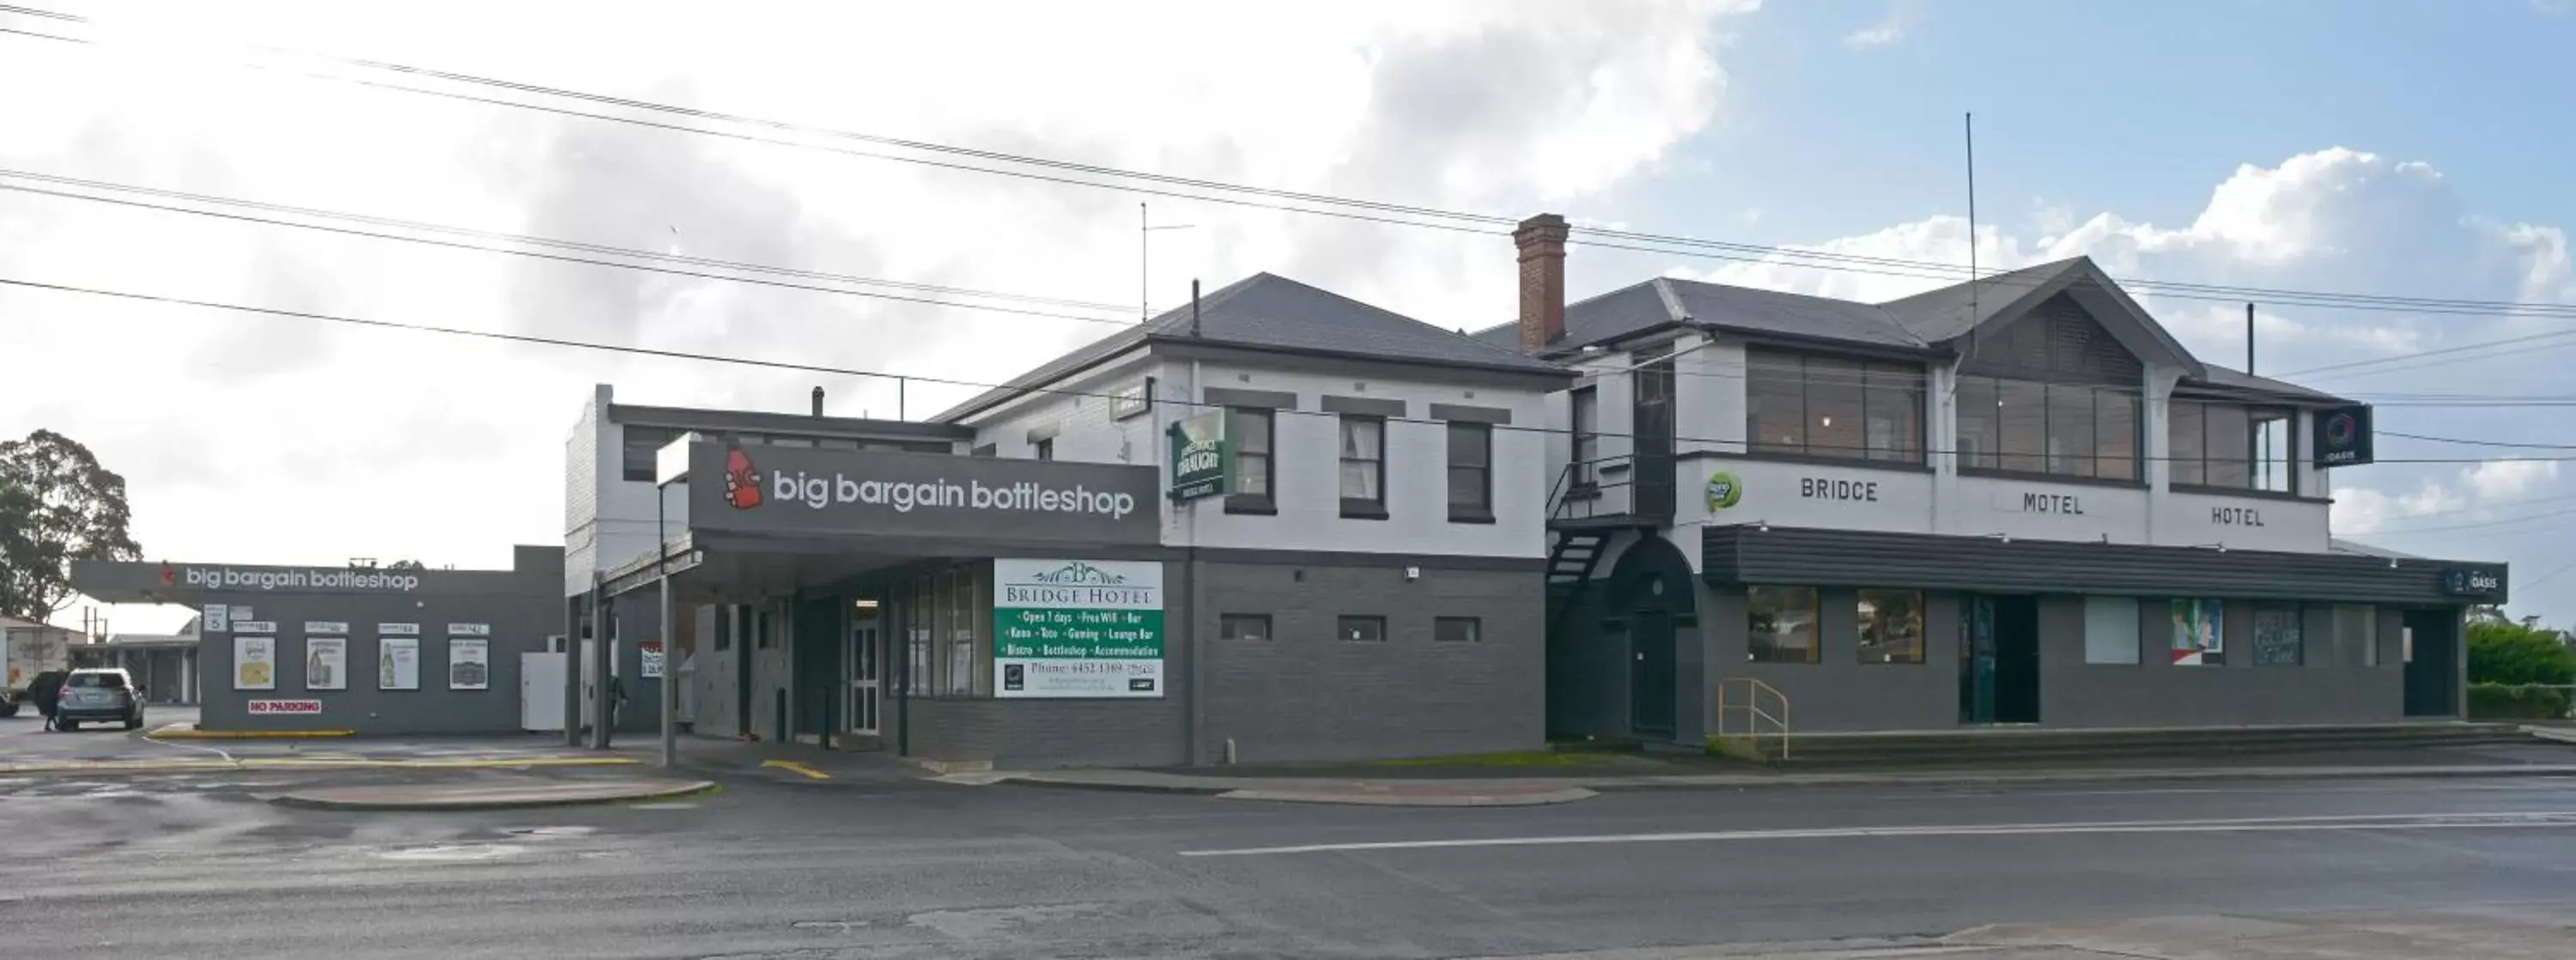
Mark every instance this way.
x=1201 y=457
x=1077 y=628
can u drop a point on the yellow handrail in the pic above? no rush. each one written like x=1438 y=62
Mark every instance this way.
x=1754 y=712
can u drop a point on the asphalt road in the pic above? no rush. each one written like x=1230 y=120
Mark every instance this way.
x=199 y=866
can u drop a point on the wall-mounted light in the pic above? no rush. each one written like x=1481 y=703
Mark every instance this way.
x=865 y=603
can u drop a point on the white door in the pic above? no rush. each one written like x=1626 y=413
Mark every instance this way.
x=866 y=670
x=541 y=691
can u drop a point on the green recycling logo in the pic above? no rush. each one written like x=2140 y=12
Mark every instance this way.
x=1724 y=490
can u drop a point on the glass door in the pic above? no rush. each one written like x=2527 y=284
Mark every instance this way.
x=864 y=666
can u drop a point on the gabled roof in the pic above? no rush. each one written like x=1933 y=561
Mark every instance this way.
x=1959 y=310
x=1273 y=313
x=2223 y=380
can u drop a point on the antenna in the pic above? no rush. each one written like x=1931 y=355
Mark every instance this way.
x=1971 y=121
x=1144 y=258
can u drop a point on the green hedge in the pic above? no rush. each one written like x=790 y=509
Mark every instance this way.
x=2509 y=701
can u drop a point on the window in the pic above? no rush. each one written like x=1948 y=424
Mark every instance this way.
x=1243 y=626
x=763 y=637
x=2199 y=632
x=1833 y=407
x=2111 y=630
x=723 y=628
x=958 y=590
x=2277 y=638
x=1457 y=629
x=1361 y=629
x=1044 y=449
x=1249 y=428
x=1781 y=625
x=641 y=444
x=1891 y=626
x=1363 y=466
x=1471 y=471
x=2056 y=429
x=2232 y=446
x=1587 y=436
x=923 y=624
x=2356 y=631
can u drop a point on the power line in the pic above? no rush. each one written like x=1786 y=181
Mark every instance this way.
x=945 y=381
x=2479 y=443
x=1450 y=219
x=585 y=260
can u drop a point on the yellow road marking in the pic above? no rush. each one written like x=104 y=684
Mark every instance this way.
x=309 y=763
x=809 y=772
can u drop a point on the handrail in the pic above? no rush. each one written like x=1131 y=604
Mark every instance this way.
x=1754 y=712
x=1560 y=493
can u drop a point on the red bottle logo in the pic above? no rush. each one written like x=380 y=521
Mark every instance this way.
x=742 y=483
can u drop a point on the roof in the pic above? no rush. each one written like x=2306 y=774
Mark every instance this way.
x=2360 y=549
x=1951 y=312
x=760 y=421
x=1269 y=312
x=2225 y=379
x=1636 y=309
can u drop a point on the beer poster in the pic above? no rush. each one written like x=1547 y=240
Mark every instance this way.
x=398 y=663
x=254 y=663
x=326 y=663
x=469 y=664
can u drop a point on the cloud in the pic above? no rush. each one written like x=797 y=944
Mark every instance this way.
x=1884 y=33
x=270 y=439
x=2506 y=479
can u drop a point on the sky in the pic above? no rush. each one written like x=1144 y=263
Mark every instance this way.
x=2419 y=151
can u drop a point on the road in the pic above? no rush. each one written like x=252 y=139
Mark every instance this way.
x=200 y=866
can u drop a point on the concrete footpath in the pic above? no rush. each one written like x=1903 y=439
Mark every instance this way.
x=1526 y=790
x=2536 y=931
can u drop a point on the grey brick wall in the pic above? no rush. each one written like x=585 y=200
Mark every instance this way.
x=1305 y=695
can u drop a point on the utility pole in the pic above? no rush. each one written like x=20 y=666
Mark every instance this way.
x=2249 y=339
x=1144 y=257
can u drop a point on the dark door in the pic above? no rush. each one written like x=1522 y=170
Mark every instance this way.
x=744 y=639
x=1650 y=672
x=2016 y=659
x=1977 y=660
x=2431 y=646
x=1653 y=423
x=1999 y=663
x=815 y=666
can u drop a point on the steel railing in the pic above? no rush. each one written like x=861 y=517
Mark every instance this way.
x=1756 y=714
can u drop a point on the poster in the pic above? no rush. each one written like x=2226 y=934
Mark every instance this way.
x=398 y=629
x=218 y=618
x=650 y=652
x=397 y=663
x=326 y=663
x=469 y=664
x=254 y=663
x=469 y=629
x=2199 y=633
x=1075 y=628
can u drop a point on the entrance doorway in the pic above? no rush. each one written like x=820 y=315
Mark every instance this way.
x=865 y=661
x=2430 y=643
x=1650 y=671
x=815 y=634
x=1999 y=663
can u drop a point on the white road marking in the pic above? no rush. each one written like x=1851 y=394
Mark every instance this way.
x=2487 y=821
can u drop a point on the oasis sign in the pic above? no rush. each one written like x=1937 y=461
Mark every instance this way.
x=752 y=488
x=2343 y=436
x=2477 y=582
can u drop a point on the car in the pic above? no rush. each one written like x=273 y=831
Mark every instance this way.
x=98 y=694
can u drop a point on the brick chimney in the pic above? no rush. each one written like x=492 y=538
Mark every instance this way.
x=1541 y=240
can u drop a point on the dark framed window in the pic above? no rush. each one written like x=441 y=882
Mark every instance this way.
x=2232 y=446
x=2279 y=640
x=1587 y=436
x=639 y=445
x=1254 y=465
x=1457 y=630
x=1360 y=629
x=1780 y=625
x=1891 y=626
x=1044 y=449
x=1363 y=466
x=1243 y=626
x=723 y=628
x=2055 y=429
x=1833 y=407
x=1471 y=472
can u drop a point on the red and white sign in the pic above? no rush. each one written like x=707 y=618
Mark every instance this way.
x=258 y=707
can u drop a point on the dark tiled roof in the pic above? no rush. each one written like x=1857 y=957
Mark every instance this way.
x=1945 y=313
x=2226 y=379
x=1632 y=310
x=1269 y=312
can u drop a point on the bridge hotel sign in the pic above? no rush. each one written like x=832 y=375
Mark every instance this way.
x=798 y=491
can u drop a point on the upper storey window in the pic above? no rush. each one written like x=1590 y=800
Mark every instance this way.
x=1832 y=407
x=2051 y=394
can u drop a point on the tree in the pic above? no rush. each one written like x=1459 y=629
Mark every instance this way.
x=2509 y=652
x=57 y=506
